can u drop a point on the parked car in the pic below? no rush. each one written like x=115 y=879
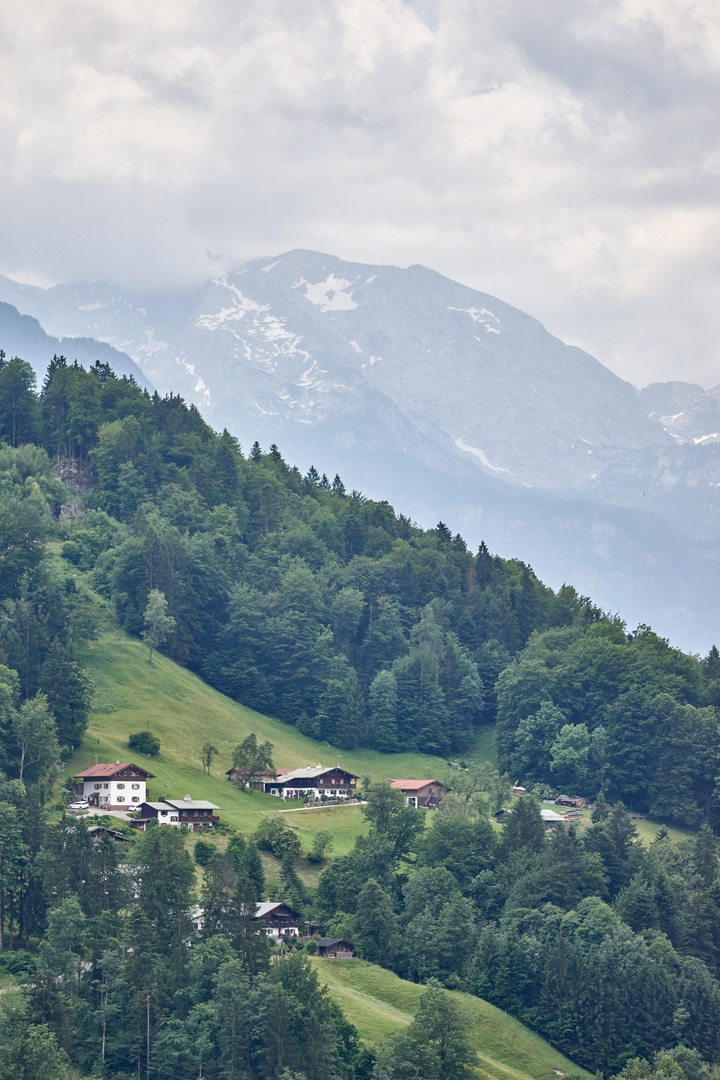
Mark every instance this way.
x=80 y=804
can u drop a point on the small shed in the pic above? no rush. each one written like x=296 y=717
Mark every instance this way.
x=551 y=819
x=518 y=789
x=338 y=948
x=98 y=831
x=501 y=814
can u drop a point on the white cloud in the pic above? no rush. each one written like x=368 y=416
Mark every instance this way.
x=563 y=156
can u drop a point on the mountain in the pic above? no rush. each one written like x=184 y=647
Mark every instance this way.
x=684 y=410
x=23 y=336
x=449 y=403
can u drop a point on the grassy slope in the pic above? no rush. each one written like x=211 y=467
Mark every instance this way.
x=184 y=712
x=378 y=1003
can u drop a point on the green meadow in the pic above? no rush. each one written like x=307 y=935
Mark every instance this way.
x=378 y=1003
x=184 y=712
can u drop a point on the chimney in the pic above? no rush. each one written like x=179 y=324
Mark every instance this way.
x=187 y=798
x=118 y=761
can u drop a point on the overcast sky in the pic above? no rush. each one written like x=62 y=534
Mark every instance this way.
x=560 y=154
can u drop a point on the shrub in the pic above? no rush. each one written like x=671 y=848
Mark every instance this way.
x=203 y=852
x=144 y=742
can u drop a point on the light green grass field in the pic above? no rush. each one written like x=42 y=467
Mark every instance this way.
x=378 y=1003
x=184 y=712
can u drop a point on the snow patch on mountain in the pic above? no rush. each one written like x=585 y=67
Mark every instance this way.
x=331 y=294
x=478 y=315
x=462 y=445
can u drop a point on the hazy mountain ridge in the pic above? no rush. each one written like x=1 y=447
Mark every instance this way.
x=295 y=340
x=446 y=401
x=22 y=335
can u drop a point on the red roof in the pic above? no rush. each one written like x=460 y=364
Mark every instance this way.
x=105 y=770
x=282 y=772
x=410 y=785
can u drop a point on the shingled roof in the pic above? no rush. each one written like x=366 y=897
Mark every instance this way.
x=106 y=770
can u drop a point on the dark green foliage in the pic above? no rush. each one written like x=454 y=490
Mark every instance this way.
x=323 y=608
x=434 y=1046
x=334 y=613
x=144 y=742
x=252 y=760
x=203 y=852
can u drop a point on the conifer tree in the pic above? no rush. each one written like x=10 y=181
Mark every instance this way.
x=375 y=925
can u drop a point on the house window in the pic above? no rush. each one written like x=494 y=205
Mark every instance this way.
x=121 y=798
x=105 y=785
x=97 y=787
x=173 y=817
x=135 y=787
x=136 y=798
x=121 y=787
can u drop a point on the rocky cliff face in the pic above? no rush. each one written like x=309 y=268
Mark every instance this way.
x=449 y=402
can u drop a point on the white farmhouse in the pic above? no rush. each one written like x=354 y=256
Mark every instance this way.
x=122 y=786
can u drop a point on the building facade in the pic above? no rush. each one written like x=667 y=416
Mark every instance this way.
x=309 y=783
x=122 y=786
x=279 y=919
x=195 y=814
x=427 y=793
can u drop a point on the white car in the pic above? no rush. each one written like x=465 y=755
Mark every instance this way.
x=81 y=804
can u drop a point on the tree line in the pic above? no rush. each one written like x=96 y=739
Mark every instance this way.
x=319 y=606
x=608 y=948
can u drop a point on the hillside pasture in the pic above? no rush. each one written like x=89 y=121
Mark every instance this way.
x=378 y=1003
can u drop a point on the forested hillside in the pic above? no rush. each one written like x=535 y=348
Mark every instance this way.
x=325 y=609
x=339 y=615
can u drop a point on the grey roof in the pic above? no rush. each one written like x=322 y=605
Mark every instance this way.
x=188 y=804
x=157 y=806
x=269 y=905
x=550 y=815
x=310 y=774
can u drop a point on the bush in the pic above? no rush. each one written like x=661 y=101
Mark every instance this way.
x=144 y=742
x=204 y=852
x=275 y=836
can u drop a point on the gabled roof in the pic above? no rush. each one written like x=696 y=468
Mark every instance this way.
x=94 y=829
x=312 y=774
x=410 y=785
x=190 y=804
x=107 y=770
x=269 y=905
x=157 y=806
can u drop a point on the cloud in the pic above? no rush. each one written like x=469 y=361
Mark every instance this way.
x=563 y=156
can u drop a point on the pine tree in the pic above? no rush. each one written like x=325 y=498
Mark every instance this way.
x=252 y=869
x=382 y=729
x=351 y=726
x=375 y=925
x=524 y=827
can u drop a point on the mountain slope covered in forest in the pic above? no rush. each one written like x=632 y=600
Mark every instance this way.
x=448 y=401
x=351 y=630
